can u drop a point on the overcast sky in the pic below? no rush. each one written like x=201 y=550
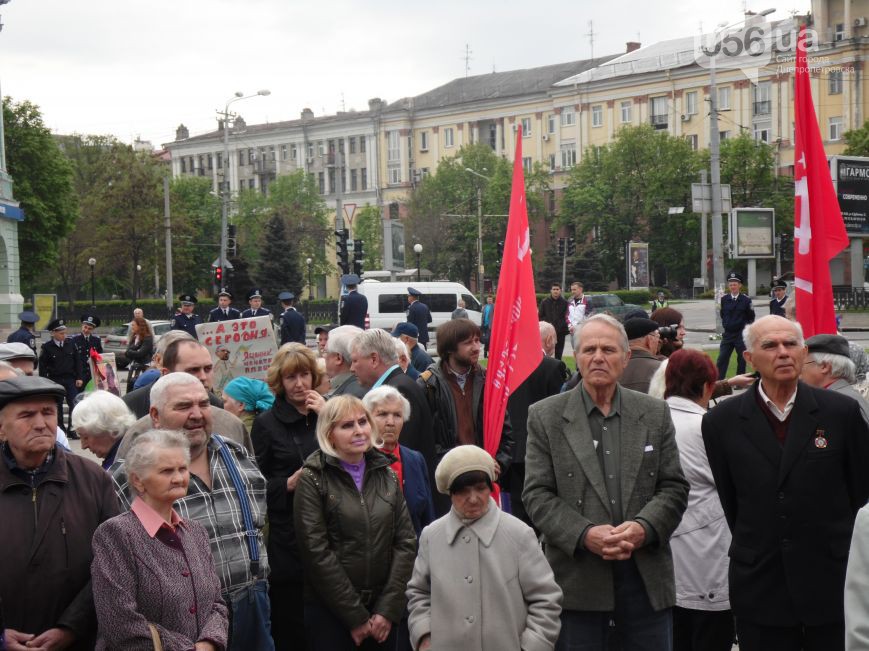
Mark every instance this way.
x=139 y=68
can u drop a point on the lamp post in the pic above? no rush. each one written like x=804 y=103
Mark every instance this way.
x=310 y=263
x=417 y=248
x=224 y=214
x=479 y=230
x=93 y=263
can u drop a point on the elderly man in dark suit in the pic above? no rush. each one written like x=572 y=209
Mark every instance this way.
x=789 y=462
x=604 y=485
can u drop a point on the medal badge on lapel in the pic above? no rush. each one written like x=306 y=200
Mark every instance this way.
x=820 y=439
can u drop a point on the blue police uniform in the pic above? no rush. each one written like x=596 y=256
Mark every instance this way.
x=778 y=306
x=354 y=309
x=23 y=336
x=419 y=315
x=217 y=314
x=83 y=345
x=736 y=313
x=292 y=326
x=61 y=363
x=186 y=322
x=260 y=311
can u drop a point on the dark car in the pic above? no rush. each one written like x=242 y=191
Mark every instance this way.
x=610 y=304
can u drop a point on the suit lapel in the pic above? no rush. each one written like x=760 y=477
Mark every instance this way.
x=801 y=430
x=633 y=440
x=579 y=438
x=756 y=427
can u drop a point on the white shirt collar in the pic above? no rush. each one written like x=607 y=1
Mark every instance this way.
x=778 y=413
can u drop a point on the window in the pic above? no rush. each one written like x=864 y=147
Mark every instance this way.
x=526 y=164
x=251 y=156
x=836 y=127
x=550 y=124
x=761 y=134
x=283 y=152
x=210 y=162
x=363 y=174
x=658 y=108
x=293 y=152
x=423 y=141
x=393 y=146
x=723 y=135
x=724 y=98
x=597 y=116
x=839 y=34
x=626 y=112
x=353 y=187
x=362 y=141
x=190 y=165
x=321 y=148
x=448 y=137
x=835 y=81
x=351 y=144
x=242 y=159
x=568 y=117
x=271 y=152
x=251 y=184
x=762 y=98
x=693 y=141
x=321 y=182
x=331 y=180
x=691 y=103
x=183 y=165
x=526 y=127
x=201 y=163
x=551 y=162
x=341 y=145
x=219 y=161
x=394 y=175
x=310 y=151
x=568 y=155
x=423 y=173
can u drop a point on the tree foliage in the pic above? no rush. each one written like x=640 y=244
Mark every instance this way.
x=857 y=141
x=43 y=184
x=368 y=227
x=278 y=268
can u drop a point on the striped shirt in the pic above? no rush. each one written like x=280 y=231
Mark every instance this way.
x=219 y=511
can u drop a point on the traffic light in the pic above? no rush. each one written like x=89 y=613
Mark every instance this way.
x=560 y=247
x=341 y=250
x=218 y=275
x=500 y=250
x=231 y=239
x=357 y=266
x=357 y=248
x=571 y=246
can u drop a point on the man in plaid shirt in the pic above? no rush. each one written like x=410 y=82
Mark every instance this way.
x=180 y=402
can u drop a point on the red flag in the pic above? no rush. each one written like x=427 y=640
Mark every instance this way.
x=514 y=344
x=819 y=231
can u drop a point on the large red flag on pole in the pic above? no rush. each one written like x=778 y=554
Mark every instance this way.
x=819 y=231
x=514 y=344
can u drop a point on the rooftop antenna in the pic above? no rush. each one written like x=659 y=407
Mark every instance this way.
x=467 y=59
x=591 y=35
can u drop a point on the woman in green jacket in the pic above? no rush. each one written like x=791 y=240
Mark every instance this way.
x=355 y=536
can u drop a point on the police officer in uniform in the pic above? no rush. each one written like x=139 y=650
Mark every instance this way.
x=86 y=341
x=186 y=320
x=659 y=302
x=780 y=297
x=60 y=362
x=736 y=313
x=354 y=306
x=224 y=311
x=26 y=334
x=419 y=315
x=255 y=300
x=292 y=323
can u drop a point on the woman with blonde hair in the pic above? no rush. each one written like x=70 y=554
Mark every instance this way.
x=355 y=536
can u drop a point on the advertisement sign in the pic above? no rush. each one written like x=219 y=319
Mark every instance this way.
x=45 y=306
x=752 y=232
x=638 y=265
x=850 y=176
x=393 y=245
x=239 y=347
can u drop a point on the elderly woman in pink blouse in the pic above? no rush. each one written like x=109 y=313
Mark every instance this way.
x=153 y=573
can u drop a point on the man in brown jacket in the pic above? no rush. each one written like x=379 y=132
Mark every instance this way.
x=51 y=502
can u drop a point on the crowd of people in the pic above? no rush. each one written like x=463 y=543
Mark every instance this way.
x=343 y=504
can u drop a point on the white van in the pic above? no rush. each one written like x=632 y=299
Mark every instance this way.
x=387 y=301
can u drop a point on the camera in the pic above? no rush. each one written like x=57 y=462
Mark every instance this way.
x=669 y=332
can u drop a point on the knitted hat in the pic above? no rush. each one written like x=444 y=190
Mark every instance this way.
x=458 y=461
x=255 y=395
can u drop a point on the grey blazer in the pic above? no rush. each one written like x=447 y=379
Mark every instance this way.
x=565 y=493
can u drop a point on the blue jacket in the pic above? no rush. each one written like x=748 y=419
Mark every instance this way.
x=736 y=313
x=354 y=309
x=23 y=336
x=217 y=314
x=419 y=315
x=187 y=323
x=249 y=313
x=417 y=490
x=292 y=326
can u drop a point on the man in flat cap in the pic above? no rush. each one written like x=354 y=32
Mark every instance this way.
x=829 y=366
x=85 y=341
x=353 y=309
x=51 y=502
x=736 y=313
x=19 y=356
x=26 y=334
x=644 y=342
x=779 y=297
x=292 y=322
x=419 y=315
x=60 y=362
x=255 y=301
x=322 y=335
x=224 y=310
x=186 y=319
x=409 y=334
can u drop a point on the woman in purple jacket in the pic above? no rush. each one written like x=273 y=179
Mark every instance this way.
x=153 y=573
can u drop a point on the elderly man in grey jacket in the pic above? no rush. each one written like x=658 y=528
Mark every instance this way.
x=604 y=485
x=829 y=366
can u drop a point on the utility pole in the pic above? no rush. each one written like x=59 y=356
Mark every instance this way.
x=480 y=242
x=715 y=178
x=167 y=225
x=704 y=218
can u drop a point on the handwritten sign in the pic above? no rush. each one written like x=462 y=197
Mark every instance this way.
x=239 y=347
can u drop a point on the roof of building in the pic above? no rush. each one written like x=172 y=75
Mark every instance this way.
x=497 y=85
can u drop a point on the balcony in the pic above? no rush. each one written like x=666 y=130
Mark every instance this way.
x=659 y=121
x=763 y=108
x=266 y=166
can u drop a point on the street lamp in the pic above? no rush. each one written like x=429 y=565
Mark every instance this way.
x=479 y=230
x=310 y=262
x=417 y=248
x=93 y=263
x=224 y=215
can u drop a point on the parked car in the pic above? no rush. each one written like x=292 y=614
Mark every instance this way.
x=119 y=338
x=612 y=304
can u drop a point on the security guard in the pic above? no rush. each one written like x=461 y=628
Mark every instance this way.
x=26 y=334
x=255 y=300
x=86 y=341
x=186 y=320
x=292 y=323
x=224 y=311
x=736 y=313
x=780 y=297
x=419 y=315
x=60 y=362
x=354 y=306
x=659 y=302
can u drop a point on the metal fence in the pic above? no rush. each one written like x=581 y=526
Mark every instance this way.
x=850 y=298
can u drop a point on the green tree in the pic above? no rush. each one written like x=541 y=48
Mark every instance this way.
x=278 y=268
x=43 y=181
x=622 y=191
x=857 y=141
x=196 y=216
x=368 y=227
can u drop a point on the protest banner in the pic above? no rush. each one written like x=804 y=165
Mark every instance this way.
x=239 y=347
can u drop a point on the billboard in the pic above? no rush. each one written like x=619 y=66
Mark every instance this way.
x=638 y=265
x=752 y=232
x=850 y=176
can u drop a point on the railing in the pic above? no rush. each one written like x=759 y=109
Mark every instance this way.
x=850 y=298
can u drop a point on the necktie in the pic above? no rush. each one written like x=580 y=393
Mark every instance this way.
x=226 y=313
